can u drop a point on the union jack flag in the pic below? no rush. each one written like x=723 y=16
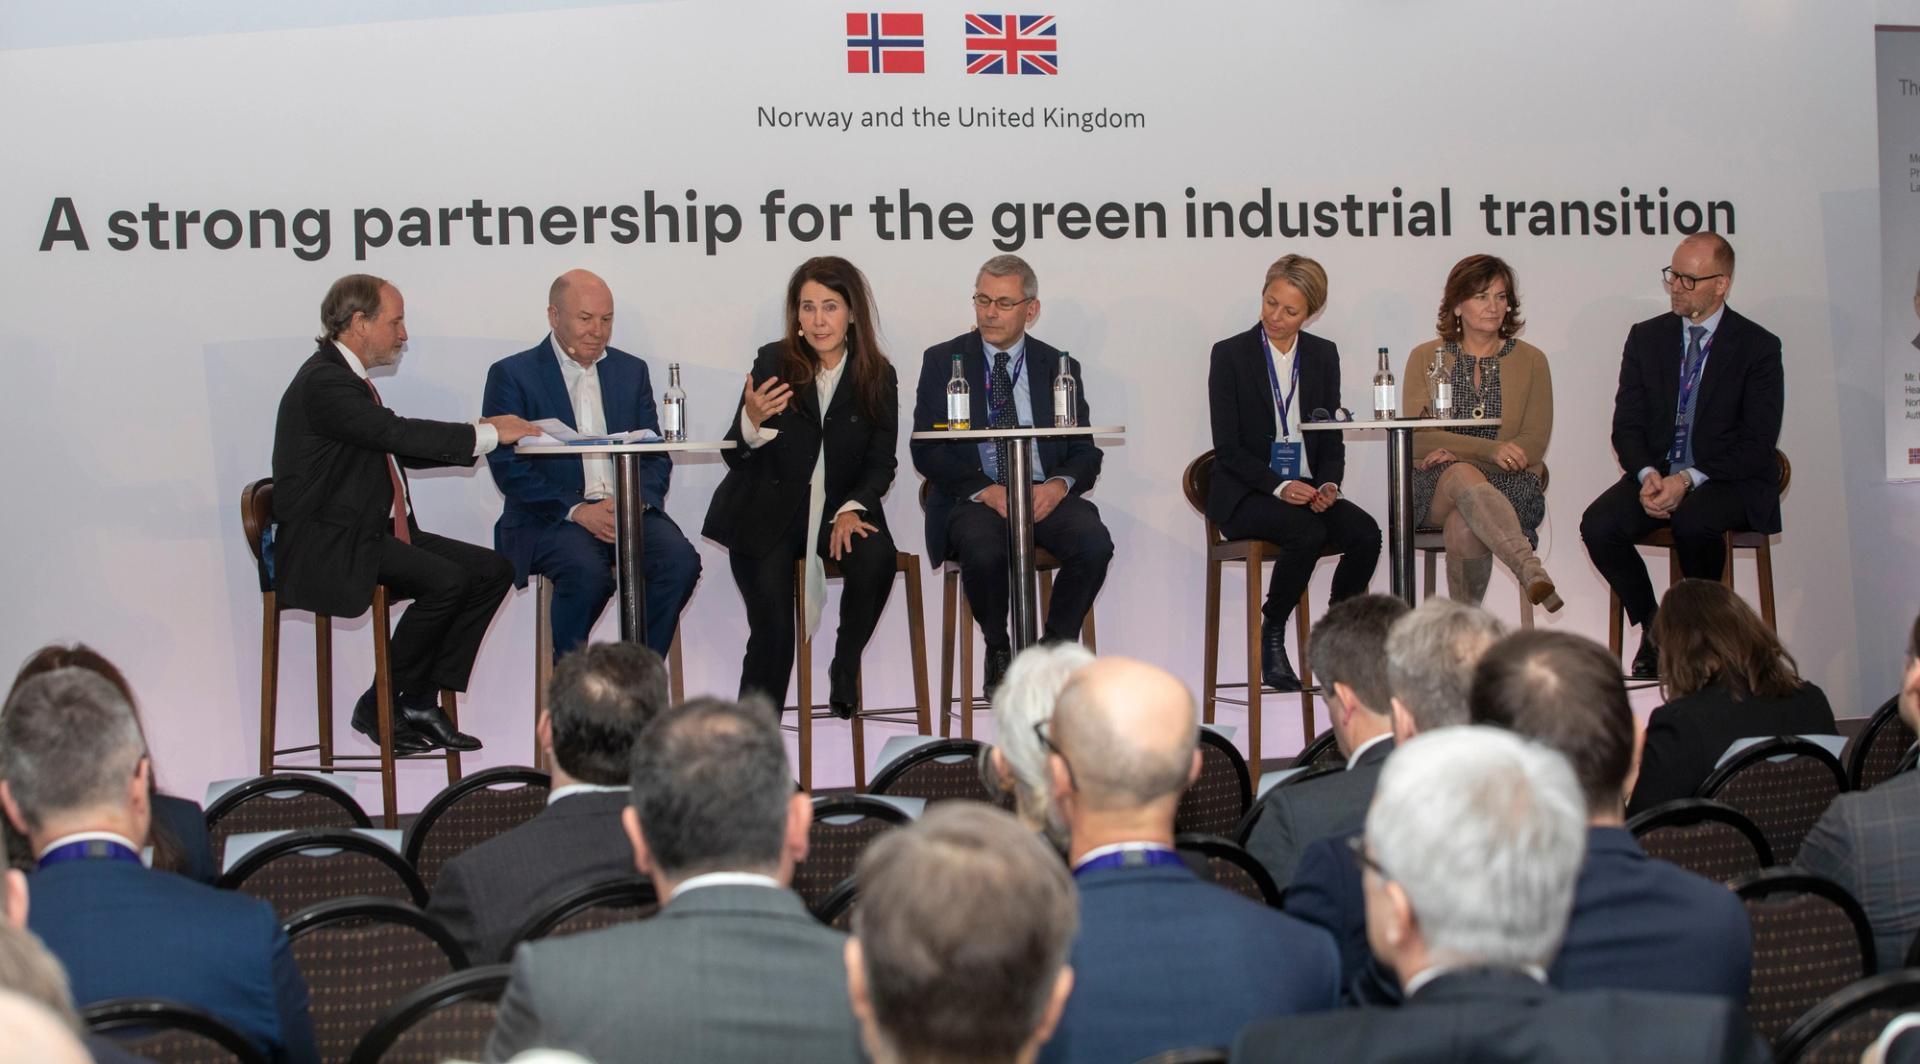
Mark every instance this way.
x=890 y=43
x=1012 y=44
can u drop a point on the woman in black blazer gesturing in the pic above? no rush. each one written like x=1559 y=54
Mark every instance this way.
x=1270 y=480
x=816 y=429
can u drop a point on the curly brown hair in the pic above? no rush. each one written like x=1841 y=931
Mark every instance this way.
x=1468 y=278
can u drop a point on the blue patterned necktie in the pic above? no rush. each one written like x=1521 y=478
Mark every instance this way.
x=1681 y=454
x=1001 y=412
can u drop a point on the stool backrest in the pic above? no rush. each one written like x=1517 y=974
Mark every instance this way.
x=843 y=826
x=607 y=903
x=256 y=517
x=1786 y=469
x=1782 y=785
x=1706 y=838
x=1196 y=482
x=362 y=956
x=168 y=1032
x=281 y=803
x=1841 y=1027
x=1810 y=939
x=470 y=812
x=1228 y=865
x=448 y=1019
x=1217 y=800
x=1875 y=753
x=304 y=868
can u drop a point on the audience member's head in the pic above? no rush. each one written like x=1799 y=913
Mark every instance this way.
x=1431 y=653
x=960 y=940
x=32 y=1034
x=72 y=759
x=1472 y=846
x=1026 y=698
x=1709 y=636
x=1565 y=692
x=1348 y=655
x=1910 y=685
x=712 y=792
x=27 y=968
x=600 y=698
x=1124 y=747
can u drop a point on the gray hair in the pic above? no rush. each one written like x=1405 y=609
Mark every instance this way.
x=356 y=293
x=1026 y=697
x=1431 y=655
x=26 y=967
x=711 y=784
x=965 y=920
x=68 y=742
x=1012 y=266
x=1485 y=832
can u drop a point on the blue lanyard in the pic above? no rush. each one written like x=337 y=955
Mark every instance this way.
x=88 y=850
x=1014 y=374
x=1691 y=381
x=1273 y=378
x=1137 y=857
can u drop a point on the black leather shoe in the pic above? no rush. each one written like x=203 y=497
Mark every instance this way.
x=423 y=714
x=997 y=662
x=1275 y=670
x=843 y=689
x=1646 y=663
x=366 y=721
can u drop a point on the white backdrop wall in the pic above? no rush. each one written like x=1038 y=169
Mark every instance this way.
x=143 y=382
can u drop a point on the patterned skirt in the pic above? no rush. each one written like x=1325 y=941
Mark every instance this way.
x=1521 y=488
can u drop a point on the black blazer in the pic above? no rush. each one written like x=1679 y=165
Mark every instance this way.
x=1483 y=1016
x=754 y=505
x=953 y=469
x=1240 y=399
x=1736 y=420
x=1334 y=804
x=1686 y=737
x=332 y=495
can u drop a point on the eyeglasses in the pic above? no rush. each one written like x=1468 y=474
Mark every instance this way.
x=1357 y=845
x=1671 y=277
x=1321 y=416
x=1040 y=732
x=1005 y=304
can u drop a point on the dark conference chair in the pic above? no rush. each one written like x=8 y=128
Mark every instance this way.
x=1874 y=755
x=843 y=827
x=167 y=1032
x=1810 y=939
x=1229 y=866
x=1216 y=801
x=448 y=1019
x=362 y=956
x=939 y=771
x=1703 y=837
x=470 y=812
x=1841 y=1027
x=1782 y=785
x=304 y=868
x=281 y=803
x=608 y=903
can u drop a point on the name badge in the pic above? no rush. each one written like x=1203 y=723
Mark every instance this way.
x=1285 y=459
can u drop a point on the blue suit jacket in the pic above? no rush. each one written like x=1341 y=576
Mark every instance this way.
x=1165 y=959
x=122 y=930
x=541 y=490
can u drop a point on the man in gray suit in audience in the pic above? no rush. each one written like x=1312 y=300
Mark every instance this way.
x=733 y=968
x=600 y=698
x=1348 y=653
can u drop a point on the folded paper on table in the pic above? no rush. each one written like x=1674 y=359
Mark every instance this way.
x=555 y=432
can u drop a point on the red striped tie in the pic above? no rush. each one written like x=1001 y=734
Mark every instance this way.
x=400 y=531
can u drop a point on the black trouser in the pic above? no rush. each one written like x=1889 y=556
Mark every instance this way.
x=1072 y=533
x=767 y=586
x=1303 y=536
x=1615 y=520
x=455 y=588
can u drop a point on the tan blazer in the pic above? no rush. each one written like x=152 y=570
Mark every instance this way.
x=1526 y=407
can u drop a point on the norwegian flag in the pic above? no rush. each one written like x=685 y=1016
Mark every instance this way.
x=891 y=43
x=1013 y=44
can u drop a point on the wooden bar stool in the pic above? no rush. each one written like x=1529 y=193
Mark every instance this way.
x=543 y=661
x=256 y=520
x=1759 y=542
x=903 y=563
x=1255 y=553
x=1431 y=544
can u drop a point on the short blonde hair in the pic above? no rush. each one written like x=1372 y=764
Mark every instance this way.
x=1302 y=273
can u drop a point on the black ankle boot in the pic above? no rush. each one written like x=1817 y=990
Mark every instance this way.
x=1275 y=669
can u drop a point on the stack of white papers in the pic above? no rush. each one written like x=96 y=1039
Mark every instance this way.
x=556 y=433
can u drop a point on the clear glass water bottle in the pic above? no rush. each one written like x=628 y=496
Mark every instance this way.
x=1386 y=397
x=1066 y=395
x=959 y=399
x=673 y=408
x=1440 y=386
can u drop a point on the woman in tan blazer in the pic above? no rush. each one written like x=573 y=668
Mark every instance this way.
x=1481 y=486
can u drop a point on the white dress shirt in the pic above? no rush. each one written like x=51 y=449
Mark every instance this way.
x=725 y=879
x=589 y=419
x=572 y=789
x=1283 y=369
x=1712 y=325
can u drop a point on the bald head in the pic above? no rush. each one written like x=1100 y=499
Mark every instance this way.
x=580 y=310
x=1128 y=729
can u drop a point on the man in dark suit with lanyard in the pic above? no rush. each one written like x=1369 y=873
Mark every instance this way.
x=558 y=520
x=1695 y=422
x=967 y=504
x=345 y=521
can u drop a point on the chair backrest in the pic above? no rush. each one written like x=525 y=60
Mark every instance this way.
x=1230 y=866
x=1324 y=749
x=1189 y=1055
x=836 y=911
x=1782 y=785
x=607 y=903
x=1810 y=939
x=448 y=1019
x=281 y=803
x=1846 y=1023
x=168 y=1032
x=1217 y=800
x=1703 y=837
x=1875 y=753
x=842 y=827
x=1244 y=830
x=937 y=772
x=256 y=517
x=470 y=812
x=1907 y=760
x=361 y=957
x=304 y=868
x=1196 y=482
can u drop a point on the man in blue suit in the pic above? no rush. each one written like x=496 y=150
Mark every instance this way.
x=1163 y=959
x=73 y=778
x=558 y=520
